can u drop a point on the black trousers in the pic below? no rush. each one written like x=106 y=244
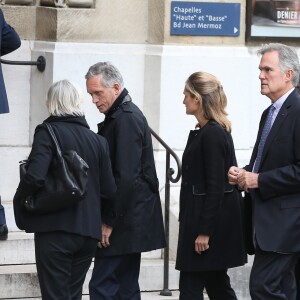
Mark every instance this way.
x=62 y=261
x=2 y=214
x=116 y=278
x=297 y=276
x=272 y=276
x=216 y=284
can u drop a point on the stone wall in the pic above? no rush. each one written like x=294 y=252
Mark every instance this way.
x=106 y=21
x=103 y=21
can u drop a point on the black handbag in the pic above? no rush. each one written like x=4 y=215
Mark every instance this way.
x=65 y=183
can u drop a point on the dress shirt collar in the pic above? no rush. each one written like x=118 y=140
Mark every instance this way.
x=278 y=103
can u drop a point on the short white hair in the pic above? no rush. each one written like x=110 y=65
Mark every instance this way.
x=64 y=98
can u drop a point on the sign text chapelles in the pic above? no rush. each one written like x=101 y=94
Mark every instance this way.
x=205 y=18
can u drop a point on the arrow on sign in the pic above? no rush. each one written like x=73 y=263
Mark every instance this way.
x=235 y=30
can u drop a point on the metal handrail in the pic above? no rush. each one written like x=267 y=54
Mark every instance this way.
x=169 y=177
x=170 y=170
x=40 y=63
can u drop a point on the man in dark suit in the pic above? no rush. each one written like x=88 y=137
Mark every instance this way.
x=132 y=220
x=9 y=42
x=272 y=178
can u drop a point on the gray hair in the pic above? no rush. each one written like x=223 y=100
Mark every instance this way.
x=108 y=72
x=288 y=59
x=64 y=98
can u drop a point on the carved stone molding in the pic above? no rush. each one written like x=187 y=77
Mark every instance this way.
x=52 y=3
x=68 y=3
x=17 y=2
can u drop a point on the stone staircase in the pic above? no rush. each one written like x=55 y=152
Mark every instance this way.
x=18 y=278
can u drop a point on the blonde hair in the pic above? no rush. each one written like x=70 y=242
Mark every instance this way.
x=64 y=98
x=213 y=100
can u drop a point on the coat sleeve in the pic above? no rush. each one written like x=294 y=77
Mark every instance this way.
x=128 y=139
x=283 y=180
x=10 y=40
x=214 y=157
x=107 y=181
x=40 y=159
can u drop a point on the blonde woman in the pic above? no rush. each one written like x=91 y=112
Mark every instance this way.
x=211 y=236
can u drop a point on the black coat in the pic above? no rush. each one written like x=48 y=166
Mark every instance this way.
x=83 y=218
x=136 y=215
x=208 y=204
x=9 y=42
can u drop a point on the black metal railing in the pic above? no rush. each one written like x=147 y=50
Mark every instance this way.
x=169 y=177
x=40 y=63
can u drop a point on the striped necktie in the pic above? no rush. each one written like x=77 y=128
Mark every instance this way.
x=263 y=138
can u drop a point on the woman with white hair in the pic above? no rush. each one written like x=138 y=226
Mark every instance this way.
x=65 y=240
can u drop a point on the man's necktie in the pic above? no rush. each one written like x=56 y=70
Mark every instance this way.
x=263 y=138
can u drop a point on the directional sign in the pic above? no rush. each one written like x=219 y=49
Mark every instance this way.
x=205 y=18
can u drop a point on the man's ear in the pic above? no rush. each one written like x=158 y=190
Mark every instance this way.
x=289 y=74
x=117 y=88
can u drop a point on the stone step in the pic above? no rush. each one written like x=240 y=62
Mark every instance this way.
x=18 y=277
x=20 y=281
x=19 y=249
x=144 y=296
x=18 y=274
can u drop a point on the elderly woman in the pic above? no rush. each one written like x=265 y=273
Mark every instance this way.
x=65 y=240
x=211 y=226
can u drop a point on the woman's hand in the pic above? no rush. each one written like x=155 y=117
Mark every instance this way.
x=201 y=243
x=233 y=174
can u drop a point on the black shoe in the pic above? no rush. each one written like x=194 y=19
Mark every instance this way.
x=3 y=232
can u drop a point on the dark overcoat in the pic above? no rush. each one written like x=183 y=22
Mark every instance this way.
x=9 y=42
x=83 y=218
x=208 y=204
x=136 y=216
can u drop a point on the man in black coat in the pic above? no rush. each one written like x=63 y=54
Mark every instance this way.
x=9 y=42
x=272 y=178
x=133 y=218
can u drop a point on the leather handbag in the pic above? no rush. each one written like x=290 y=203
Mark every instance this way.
x=65 y=183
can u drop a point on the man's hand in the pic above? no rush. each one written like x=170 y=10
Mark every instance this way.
x=106 y=232
x=201 y=243
x=247 y=180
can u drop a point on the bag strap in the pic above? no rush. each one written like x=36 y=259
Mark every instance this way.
x=53 y=136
